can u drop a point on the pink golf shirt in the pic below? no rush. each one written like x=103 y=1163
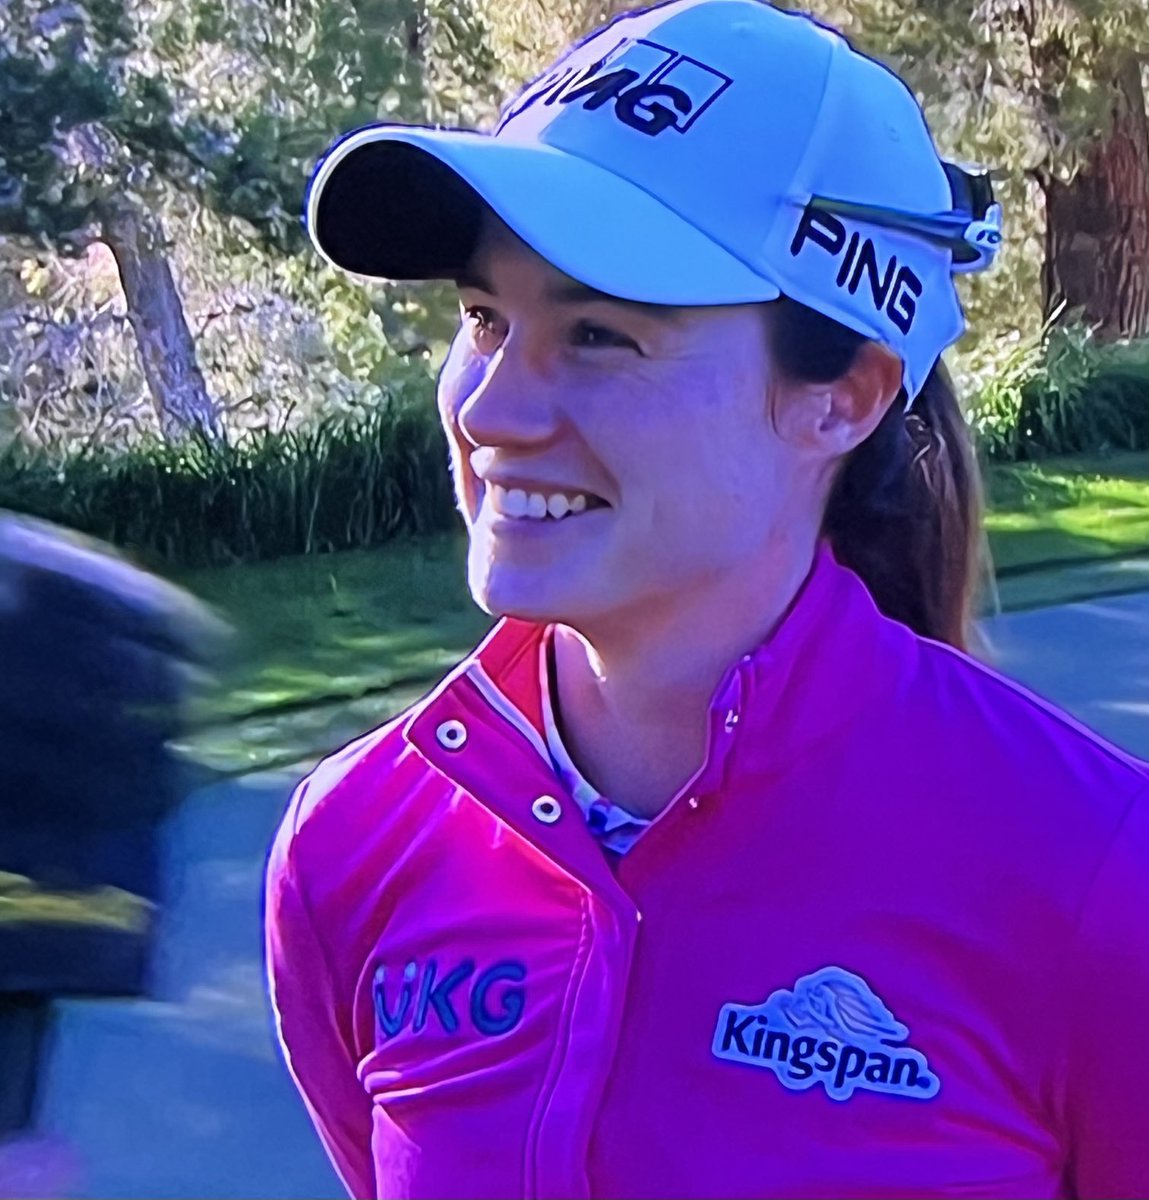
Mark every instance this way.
x=892 y=940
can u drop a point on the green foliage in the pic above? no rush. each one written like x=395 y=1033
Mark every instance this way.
x=995 y=409
x=82 y=118
x=1022 y=86
x=528 y=35
x=1060 y=392
x=233 y=99
x=290 y=78
x=213 y=113
x=353 y=479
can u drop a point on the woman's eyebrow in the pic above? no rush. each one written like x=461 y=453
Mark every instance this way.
x=573 y=292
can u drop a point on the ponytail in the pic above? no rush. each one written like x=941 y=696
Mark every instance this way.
x=905 y=510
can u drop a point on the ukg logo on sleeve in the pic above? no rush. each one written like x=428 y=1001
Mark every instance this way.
x=424 y=995
x=830 y=1029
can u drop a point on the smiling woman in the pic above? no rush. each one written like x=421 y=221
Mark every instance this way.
x=719 y=830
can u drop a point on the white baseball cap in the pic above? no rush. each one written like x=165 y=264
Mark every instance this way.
x=700 y=152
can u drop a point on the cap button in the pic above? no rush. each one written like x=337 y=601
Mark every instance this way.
x=451 y=735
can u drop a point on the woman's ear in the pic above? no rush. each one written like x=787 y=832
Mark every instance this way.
x=830 y=419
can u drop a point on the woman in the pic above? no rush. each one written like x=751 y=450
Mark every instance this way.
x=718 y=868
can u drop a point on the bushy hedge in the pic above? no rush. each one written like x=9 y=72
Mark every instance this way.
x=353 y=480
x=1062 y=393
x=359 y=477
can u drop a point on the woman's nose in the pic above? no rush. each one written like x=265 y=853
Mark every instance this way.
x=502 y=400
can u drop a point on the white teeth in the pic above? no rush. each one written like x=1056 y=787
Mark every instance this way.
x=534 y=505
x=514 y=502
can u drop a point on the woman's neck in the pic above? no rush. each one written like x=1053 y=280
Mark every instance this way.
x=633 y=699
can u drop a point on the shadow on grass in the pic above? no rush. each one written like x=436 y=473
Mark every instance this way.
x=1019 y=552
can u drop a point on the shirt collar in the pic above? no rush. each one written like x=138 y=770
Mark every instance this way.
x=617 y=828
x=812 y=674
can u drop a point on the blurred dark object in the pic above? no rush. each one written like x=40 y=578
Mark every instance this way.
x=96 y=660
x=24 y=1025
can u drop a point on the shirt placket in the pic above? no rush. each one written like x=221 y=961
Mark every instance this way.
x=460 y=735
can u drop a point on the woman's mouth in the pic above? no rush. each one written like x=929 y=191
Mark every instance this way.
x=518 y=504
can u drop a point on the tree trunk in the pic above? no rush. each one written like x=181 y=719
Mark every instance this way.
x=1097 y=225
x=166 y=347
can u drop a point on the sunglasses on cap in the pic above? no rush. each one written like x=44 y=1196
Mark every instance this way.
x=971 y=230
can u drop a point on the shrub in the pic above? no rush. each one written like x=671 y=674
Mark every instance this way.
x=352 y=479
x=1061 y=392
x=994 y=412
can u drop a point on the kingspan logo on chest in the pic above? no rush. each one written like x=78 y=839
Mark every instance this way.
x=831 y=1029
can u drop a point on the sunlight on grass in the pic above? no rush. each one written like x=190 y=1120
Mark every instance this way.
x=1068 y=510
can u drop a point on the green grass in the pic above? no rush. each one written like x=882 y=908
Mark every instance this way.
x=328 y=646
x=1068 y=510
x=333 y=626
x=318 y=636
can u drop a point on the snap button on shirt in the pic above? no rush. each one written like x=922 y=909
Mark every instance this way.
x=546 y=809
x=452 y=735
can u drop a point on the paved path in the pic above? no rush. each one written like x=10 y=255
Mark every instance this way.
x=184 y=1096
x=1091 y=658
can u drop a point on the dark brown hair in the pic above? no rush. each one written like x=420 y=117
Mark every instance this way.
x=905 y=510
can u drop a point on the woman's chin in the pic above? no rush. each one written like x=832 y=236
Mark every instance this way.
x=509 y=594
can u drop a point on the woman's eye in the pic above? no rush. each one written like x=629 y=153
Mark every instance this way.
x=485 y=323
x=481 y=320
x=588 y=334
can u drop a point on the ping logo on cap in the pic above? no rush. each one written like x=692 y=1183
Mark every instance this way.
x=652 y=88
x=894 y=288
x=831 y=1029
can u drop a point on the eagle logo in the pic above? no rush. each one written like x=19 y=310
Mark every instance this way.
x=841 y=1005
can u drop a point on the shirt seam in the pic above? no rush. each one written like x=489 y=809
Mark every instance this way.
x=562 y=1044
x=324 y=953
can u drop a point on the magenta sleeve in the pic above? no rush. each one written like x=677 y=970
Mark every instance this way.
x=1106 y=1082
x=307 y=1021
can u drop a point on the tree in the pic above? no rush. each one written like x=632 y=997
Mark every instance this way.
x=312 y=70
x=1051 y=91
x=1097 y=223
x=86 y=144
x=115 y=113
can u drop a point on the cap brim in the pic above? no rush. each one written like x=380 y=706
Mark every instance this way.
x=405 y=203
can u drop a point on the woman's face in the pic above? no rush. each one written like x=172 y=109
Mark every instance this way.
x=660 y=418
